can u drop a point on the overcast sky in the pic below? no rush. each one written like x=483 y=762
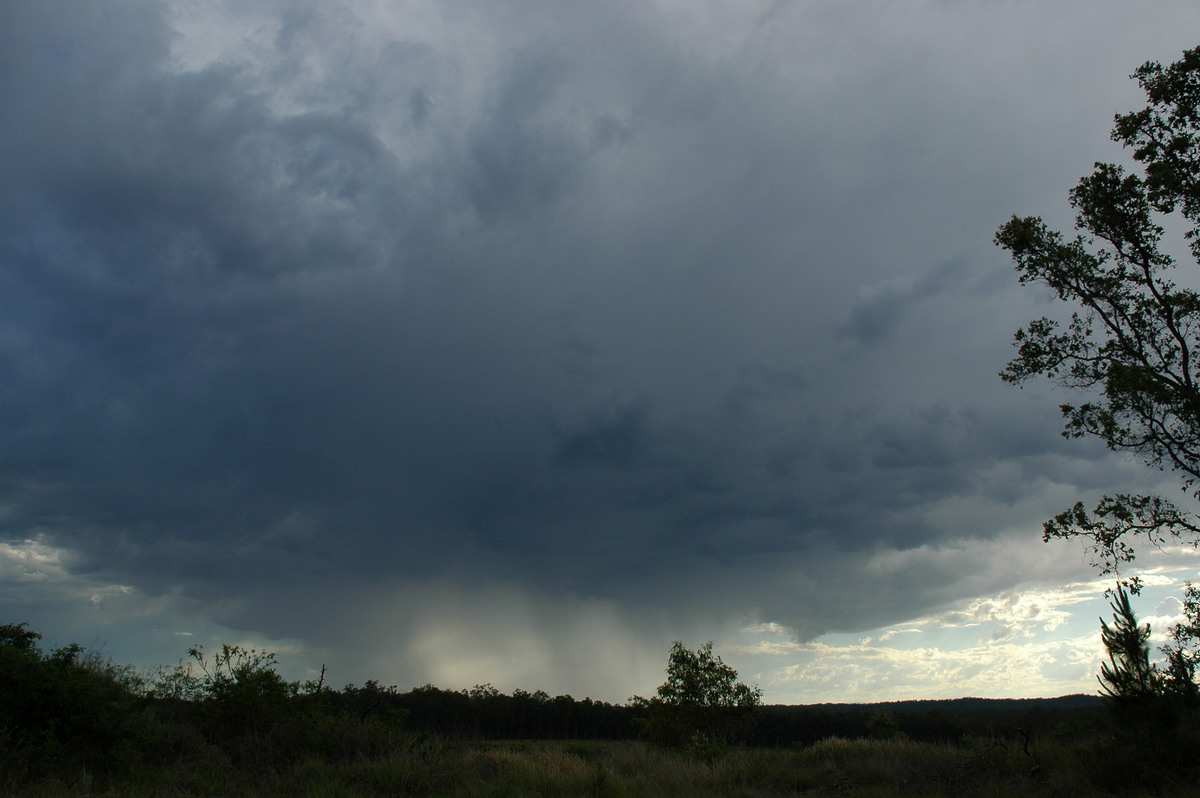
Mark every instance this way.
x=467 y=341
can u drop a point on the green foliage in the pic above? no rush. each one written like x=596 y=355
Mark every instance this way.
x=233 y=698
x=701 y=679
x=1133 y=342
x=701 y=705
x=242 y=675
x=1128 y=676
x=62 y=710
x=17 y=637
x=232 y=675
x=883 y=726
x=1183 y=653
x=1131 y=677
x=1153 y=710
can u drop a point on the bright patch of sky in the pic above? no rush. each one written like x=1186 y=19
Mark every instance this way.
x=1047 y=639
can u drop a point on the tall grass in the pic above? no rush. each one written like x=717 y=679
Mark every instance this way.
x=424 y=766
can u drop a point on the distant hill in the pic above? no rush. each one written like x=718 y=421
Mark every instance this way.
x=961 y=706
x=948 y=720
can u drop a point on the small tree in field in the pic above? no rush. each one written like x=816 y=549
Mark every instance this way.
x=701 y=679
x=702 y=703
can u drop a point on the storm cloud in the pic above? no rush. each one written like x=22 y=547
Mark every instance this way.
x=468 y=341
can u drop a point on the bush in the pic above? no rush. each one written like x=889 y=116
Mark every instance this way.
x=62 y=710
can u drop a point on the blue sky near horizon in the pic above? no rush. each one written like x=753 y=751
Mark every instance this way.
x=507 y=342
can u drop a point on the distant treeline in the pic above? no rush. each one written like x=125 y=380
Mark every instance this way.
x=948 y=721
x=484 y=713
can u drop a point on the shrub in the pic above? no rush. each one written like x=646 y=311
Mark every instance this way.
x=62 y=710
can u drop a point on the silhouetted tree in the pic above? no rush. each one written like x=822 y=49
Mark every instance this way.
x=1134 y=341
x=1183 y=652
x=1132 y=344
x=1152 y=708
x=1128 y=675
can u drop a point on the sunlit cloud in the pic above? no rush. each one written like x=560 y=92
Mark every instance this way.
x=1039 y=641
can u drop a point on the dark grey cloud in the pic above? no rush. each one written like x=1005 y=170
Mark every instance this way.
x=880 y=308
x=319 y=320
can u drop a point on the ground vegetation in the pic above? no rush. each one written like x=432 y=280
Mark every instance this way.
x=228 y=723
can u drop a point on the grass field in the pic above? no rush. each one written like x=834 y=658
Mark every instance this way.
x=425 y=766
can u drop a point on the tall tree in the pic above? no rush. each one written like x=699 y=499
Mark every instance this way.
x=1133 y=342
